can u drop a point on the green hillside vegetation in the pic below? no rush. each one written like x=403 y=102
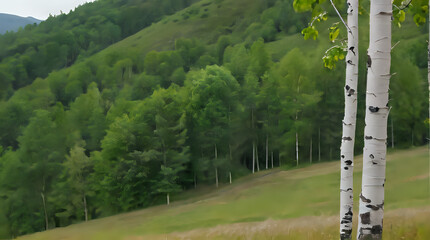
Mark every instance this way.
x=273 y=205
x=180 y=104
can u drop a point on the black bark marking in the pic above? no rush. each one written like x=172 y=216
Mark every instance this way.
x=347 y=87
x=365 y=218
x=348 y=162
x=374 y=109
x=368 y=137
x=346 y=168
x=350 y=62
x=364 y=199
x=375 y=233
x=386 y=13
x=346 y=234
x=374 y=163
x=352 y=48
x=376 y=229
x=369 y=61
x=347 y=190
x=343 y=156
x=351 y=92
x=375 y=207
x=371 y=156
x=347 y=138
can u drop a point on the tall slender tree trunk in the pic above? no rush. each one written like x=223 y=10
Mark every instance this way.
x=85 y=207
x=229 y=176
x=168 y=198
x=267 y=152
x=253 y=157
x=349 y=124
x=256 y=158
x=375 y=133
x=272 y=159
x=216 y=168
x=195 y=180
x=44 y=210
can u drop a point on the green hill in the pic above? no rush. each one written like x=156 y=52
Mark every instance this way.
x=275 y=204
x=10 y=22
x=182 y=96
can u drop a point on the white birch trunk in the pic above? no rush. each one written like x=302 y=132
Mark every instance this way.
x=229 y=176
x=253 y=157
x=349 y=124
x=374 y=154
x=267 y=152
x=168 y=198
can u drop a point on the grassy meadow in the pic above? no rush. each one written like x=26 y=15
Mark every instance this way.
x=275 y=204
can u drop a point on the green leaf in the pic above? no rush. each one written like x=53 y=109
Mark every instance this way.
x=334 y=32
x=310 y=32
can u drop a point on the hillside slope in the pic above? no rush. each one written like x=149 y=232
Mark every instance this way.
x=292 y=200
x=9 y=22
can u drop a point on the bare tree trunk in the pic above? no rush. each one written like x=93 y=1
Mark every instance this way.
x=216 y=168
x=229 y=176
x=375 y=149
x=44 y=210
x=195 y=181
x=85 y=207
x=272 y=159
x=168 y=198
x=267 y=152
x=428 y=79
x=256 y=156
x=253 y=157
x=349 y=124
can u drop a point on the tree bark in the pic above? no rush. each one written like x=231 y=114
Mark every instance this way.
x=428 y=79
x=256 y=157
x=168 y=198
x=253 y=157
x=229 y=176
x=349 y=124
x=44 y=210
x=272 y=159
x=371 y=210
x=85 y=207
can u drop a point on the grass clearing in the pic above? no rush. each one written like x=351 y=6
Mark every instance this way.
x=295 y=204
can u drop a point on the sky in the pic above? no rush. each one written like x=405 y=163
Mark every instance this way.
x=39 y=9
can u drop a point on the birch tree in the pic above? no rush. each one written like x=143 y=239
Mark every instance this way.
x=371 y=209
x=349 y=124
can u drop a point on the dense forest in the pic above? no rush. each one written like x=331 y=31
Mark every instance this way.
x=89 y=129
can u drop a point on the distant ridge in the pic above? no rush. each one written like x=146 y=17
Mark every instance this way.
x=9 y=22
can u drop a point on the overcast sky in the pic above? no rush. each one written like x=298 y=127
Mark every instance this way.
x=39 y=9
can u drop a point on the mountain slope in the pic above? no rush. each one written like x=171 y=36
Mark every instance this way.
x=9 y=22
x=276 y=195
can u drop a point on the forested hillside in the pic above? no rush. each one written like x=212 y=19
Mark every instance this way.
x=212 y=92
